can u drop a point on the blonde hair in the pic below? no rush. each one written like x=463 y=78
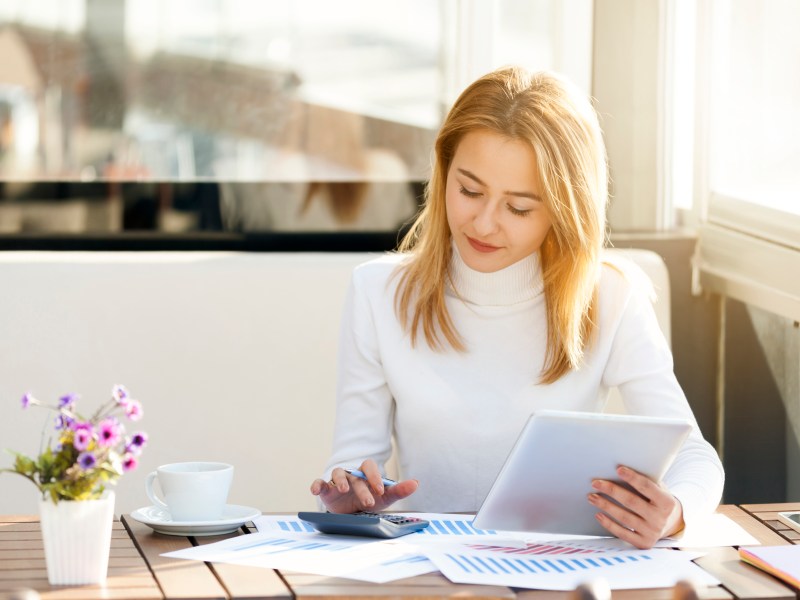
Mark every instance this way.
x=560 y=125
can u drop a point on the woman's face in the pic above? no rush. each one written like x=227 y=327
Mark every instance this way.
x=494 y=201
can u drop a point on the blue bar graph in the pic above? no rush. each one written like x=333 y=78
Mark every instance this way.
x=296 y=525
x=474 y=564
x=456 y=527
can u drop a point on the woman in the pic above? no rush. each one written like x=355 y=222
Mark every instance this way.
x=500 y=304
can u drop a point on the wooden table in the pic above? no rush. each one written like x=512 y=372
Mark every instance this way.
x=137 y=571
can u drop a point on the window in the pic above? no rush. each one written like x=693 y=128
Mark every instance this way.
x=152 y=113
x=750 y=236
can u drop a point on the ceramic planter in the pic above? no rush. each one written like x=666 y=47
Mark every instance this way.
x=77 y=539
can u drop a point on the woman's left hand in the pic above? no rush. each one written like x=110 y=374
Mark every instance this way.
x=644 y=517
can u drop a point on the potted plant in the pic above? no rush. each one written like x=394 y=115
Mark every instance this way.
x=72 y=472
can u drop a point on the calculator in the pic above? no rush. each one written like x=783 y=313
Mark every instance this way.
x=368 y=524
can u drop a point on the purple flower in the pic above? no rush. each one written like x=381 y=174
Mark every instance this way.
x=28 y=399
x=82 y=437
x=133 y=410
x=136 y=443
x=63 y=422
x=129 y=463
x=86 y=460
x=67 y=401
x=108 y=432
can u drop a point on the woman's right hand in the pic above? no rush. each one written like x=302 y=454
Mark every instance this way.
x=348 y=494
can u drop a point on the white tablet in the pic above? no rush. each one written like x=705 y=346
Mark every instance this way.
x=544 y=482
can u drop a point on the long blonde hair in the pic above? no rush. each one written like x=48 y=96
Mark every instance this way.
x=560 y=125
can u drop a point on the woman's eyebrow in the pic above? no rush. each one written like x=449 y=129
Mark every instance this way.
x=477 y=180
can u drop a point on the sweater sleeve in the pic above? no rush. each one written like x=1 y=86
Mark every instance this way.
x=640 y=366
x=364 y=404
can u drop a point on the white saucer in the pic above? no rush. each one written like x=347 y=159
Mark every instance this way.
x=233 y=517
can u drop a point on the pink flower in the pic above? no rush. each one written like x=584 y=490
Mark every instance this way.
x=108 y=432
x=82 y=437
x=133 y=410
x=129 y=462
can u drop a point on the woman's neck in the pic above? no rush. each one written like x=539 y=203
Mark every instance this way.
x=517 y=283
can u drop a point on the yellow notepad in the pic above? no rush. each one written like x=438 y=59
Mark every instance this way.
x=781 y=561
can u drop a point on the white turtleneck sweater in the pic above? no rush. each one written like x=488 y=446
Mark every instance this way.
x=455 y=415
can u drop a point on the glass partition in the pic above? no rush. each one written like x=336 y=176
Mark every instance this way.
x=226 y=116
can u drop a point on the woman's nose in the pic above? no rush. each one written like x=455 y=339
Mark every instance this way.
x=485 y=221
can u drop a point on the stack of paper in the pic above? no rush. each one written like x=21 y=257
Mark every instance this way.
x=451 y=544
x=781 y=561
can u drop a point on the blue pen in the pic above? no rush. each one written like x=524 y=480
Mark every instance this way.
x=360 y=474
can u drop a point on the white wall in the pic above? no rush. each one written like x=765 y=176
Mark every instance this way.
x=233 y=357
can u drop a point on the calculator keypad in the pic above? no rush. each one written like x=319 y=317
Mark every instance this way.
x=396 y=519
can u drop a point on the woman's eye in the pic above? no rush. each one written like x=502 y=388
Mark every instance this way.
x=469 y=193
x=518 y=211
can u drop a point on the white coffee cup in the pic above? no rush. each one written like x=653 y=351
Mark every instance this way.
x=193 y=491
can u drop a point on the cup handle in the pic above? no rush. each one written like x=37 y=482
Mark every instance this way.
x=148 y=486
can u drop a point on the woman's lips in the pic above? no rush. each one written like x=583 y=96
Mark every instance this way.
x=481 y=247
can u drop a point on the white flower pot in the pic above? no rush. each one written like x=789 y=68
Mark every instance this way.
x=77 y=539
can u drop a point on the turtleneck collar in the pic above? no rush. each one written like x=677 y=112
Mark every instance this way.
x=516 y=283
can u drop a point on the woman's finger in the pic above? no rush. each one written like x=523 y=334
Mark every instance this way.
x=339 y=480
x=621 y=514
x=642 y=484
x=631 y=536
x=362 y=492
x=370 y=469
x=624 y=496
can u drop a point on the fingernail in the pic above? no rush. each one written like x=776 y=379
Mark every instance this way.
x=593 y=498
x=623 y=471
x=596 y=484
x=380 y=490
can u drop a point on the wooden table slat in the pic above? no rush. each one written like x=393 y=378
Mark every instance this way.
x=180 y=579
x=38 y=544
x=92 y=592
x=39 y=553
x=114 y=562
x=782 y=507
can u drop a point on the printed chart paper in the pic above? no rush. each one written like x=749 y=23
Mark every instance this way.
x=335 y=556
x=467 y=555
x=622 y=570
